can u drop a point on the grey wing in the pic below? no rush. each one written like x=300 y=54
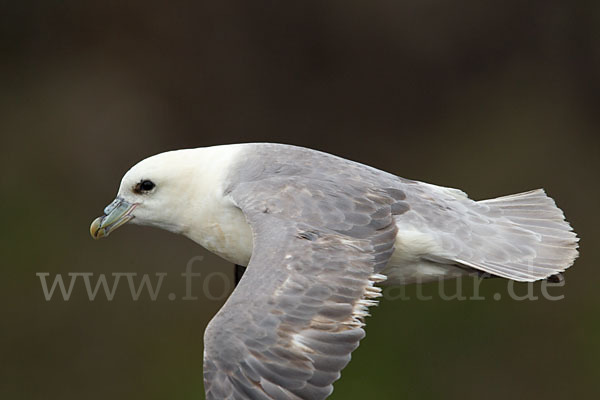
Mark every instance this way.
x=289 y=327
x=523 y=237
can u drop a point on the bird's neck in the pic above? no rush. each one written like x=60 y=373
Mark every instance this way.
x=211 y=219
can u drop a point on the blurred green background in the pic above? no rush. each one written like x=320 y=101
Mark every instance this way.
x=492 y=97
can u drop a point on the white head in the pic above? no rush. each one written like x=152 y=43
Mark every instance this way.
x=154 y=191
x=183 y=191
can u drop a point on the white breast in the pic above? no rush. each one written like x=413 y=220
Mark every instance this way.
x=227 y=234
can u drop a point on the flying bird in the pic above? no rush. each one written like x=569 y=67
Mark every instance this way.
x=318 y=233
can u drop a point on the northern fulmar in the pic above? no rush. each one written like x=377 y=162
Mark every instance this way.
x=318 y=233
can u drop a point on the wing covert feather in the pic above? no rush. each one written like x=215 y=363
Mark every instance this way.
x=296 y=315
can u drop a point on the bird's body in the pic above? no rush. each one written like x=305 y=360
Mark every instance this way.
x=317 y=233
x=425 y=245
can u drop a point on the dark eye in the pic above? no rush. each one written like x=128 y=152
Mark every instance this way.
x=144 y=186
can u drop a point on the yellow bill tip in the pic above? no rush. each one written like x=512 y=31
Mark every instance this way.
x=96 y=229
